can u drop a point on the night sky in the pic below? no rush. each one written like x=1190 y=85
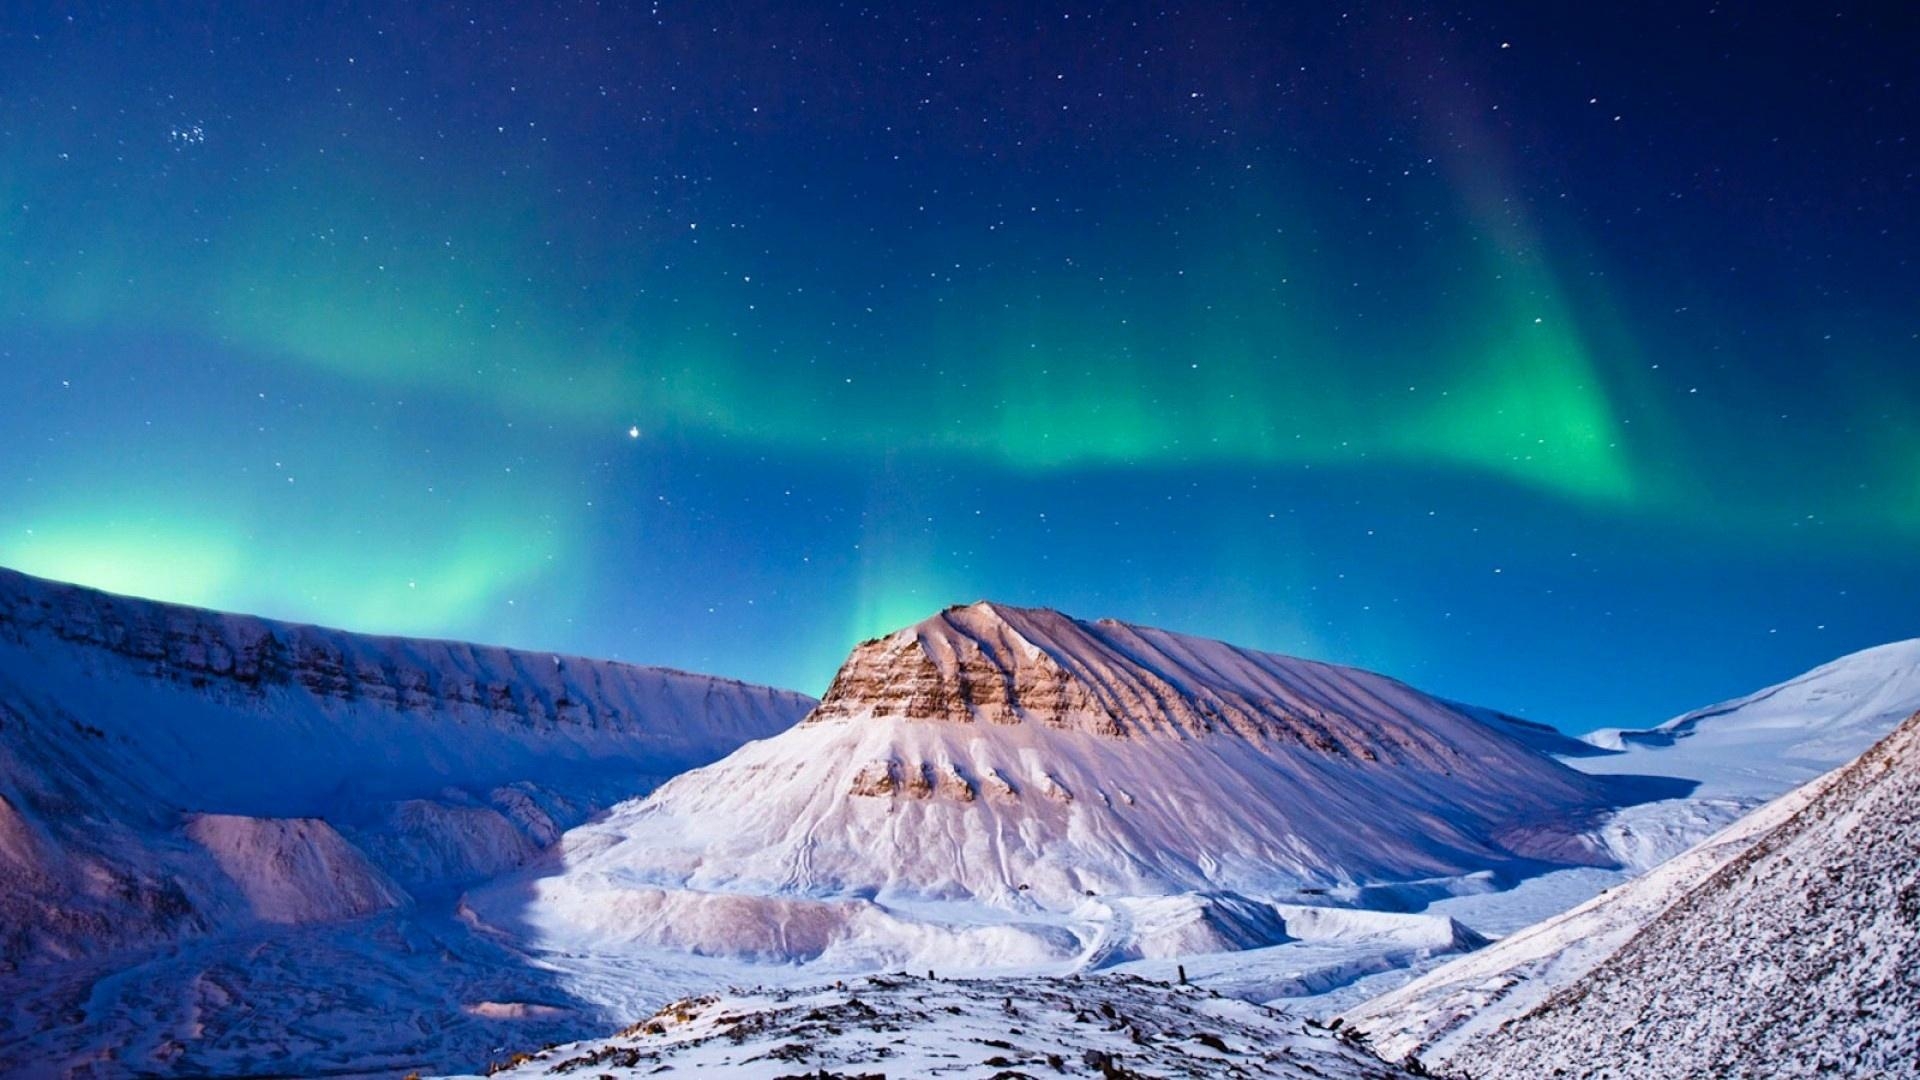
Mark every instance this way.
x=1562 y=358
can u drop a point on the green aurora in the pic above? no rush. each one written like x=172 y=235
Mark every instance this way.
x=354 y=355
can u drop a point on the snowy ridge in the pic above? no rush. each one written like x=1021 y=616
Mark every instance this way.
x=988 y=788
x=905 y=1026
x=1807 y=904
x=270 y=689
x=119 y=716
x=1814 y=922
x=1750 y=749
x=182 y=788
x=1783 y=735
x=1433 y=1016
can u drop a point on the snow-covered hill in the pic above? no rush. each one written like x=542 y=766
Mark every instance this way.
x=1779 y=737
x=899 y=1025
x=1787 y=945
x=999 y=786
x=1746 y=751
x=173 y=777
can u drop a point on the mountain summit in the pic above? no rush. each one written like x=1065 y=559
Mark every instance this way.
x=997 y=664
x=1045 y=766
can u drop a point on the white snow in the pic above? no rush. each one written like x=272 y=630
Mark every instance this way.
x=906 y=1026
x=294 y=870
x=1742 y=752
x=235 y=846
x=189 y=801
x=1431 y=1017
x=1001 y=788
x=1796 y=956
x=1777 y=740
x=1757 y=746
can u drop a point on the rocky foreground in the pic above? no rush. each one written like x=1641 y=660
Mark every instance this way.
x=905 y=1026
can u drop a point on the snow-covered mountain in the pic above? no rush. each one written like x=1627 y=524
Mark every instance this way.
x=1743 y=752
x=1005 y=786
x=1781 y=736
x=235 y=846
x=984 y=1029
x=1787 y=945
x=171 y=778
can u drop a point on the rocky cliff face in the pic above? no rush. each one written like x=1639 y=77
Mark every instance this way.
x=995 y=664
x=964 y=666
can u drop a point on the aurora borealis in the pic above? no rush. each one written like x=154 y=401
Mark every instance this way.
x=1566 y=361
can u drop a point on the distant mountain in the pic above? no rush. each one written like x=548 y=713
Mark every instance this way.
x=156 y=761
x=1781 y=736
x=1786 y=945
x=1743 y=752
x=170 y=775
x=965 y=1029
x=1069 y=776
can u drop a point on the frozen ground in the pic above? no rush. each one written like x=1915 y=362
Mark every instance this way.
x=907 y=1026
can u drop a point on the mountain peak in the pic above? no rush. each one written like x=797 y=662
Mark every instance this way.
x=990 y=617
x=994 y=663
x=980 y=661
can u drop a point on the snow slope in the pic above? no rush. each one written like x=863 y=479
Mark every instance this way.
x=1001 y=787
x=1778 y=738
x=1799 y=956
x=1746 y=751
x=904 y=1026
x=1460 y=1001
x=1807 y=906
x=171 y=776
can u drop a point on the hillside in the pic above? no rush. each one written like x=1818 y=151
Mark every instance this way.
x=1784 y=946
x=172 y=779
